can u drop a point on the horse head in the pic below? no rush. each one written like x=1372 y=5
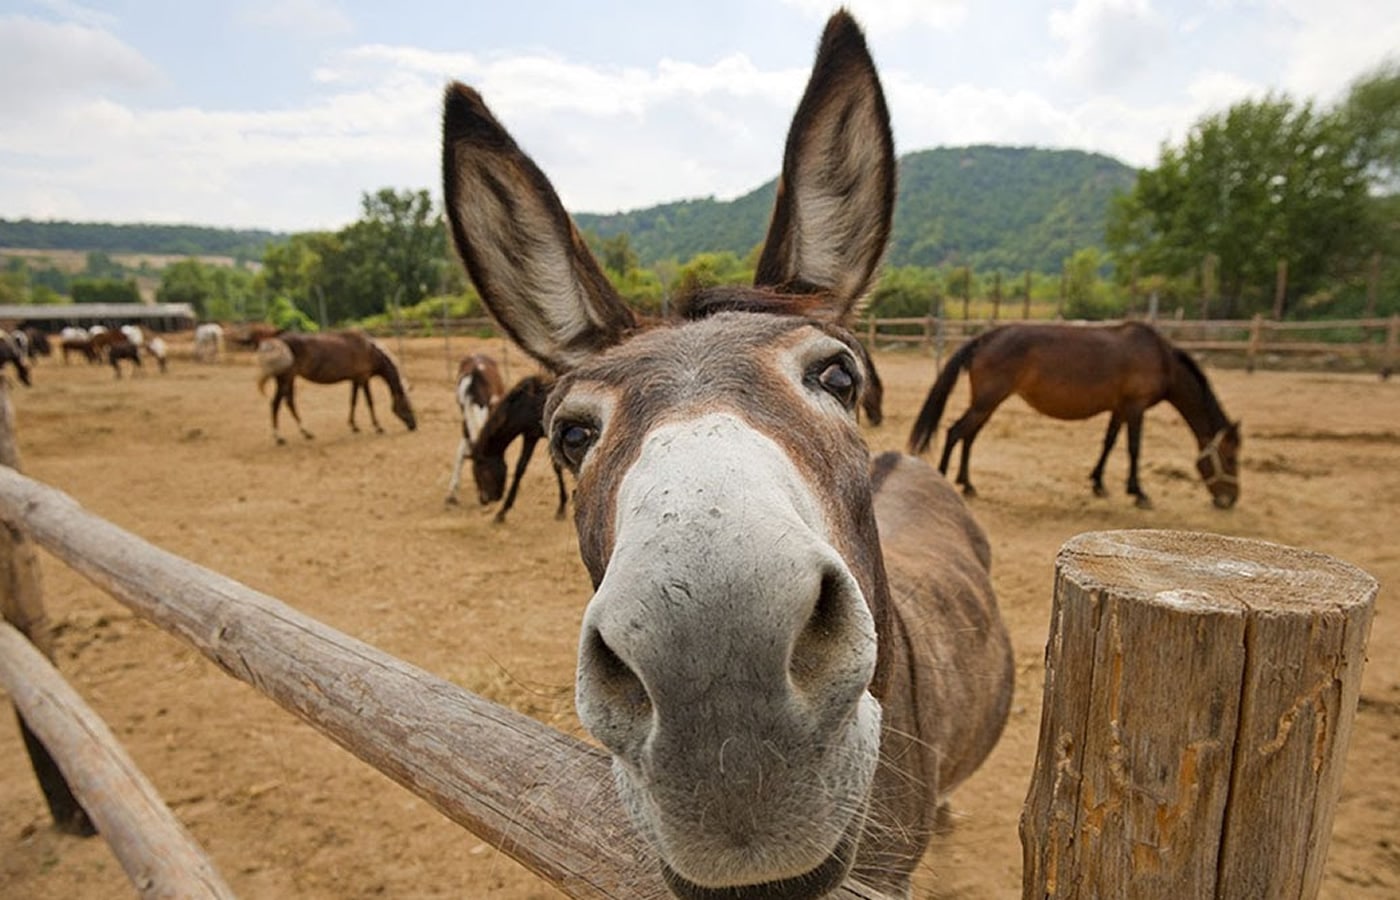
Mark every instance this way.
x=729 y=658
x=1219 y=465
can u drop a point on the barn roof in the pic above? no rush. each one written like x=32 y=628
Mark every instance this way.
x=166 y=316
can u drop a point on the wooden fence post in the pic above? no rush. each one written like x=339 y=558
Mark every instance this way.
x=1392 y=346
x=1256 y=329
x=1199 y=697
x=22 y=605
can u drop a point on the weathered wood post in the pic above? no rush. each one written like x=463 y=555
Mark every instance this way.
x=1199 y=698
x=1256 y=335
x=22 y=605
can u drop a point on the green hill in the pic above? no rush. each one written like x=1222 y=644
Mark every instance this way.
x=1011 y=208
x=179 y=240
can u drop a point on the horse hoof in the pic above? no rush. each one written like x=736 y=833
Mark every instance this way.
x=969 y=491
x=559 y=516
x=281 y=440
x=1100 y=491
x=499 y=518
x=1142 y=502
x=308 y=435
x=450 y=500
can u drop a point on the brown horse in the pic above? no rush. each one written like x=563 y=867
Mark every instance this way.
x=325 y=359
x=480 y=388
x=1078 y=371
x=115 y=345
x=520 y=414
x=792 y=655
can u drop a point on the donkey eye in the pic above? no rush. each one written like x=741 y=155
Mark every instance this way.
x=572 y=440
x=835 y=376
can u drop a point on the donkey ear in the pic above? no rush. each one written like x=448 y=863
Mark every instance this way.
x=521 y=249
x=835 y=201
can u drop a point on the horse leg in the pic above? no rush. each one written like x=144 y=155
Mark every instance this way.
x=354 y=397
x=527 y=447
x=462 y=450
x=964 y=430
x=1135 y=445
x=1108 y=439
x=290 y=393
x=369 y=402
x=563 y=494
x=276 y=405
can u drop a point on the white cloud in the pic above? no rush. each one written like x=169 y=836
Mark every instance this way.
x=319 y=18
x=884 y=16
x=1105 y=41
x=1331 y=41
x=41 y=62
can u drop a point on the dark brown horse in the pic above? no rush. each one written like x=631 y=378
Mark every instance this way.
x=1078 y=371
x=325 y=359
x=115 y=345
x=520 y=414
x=479 y=390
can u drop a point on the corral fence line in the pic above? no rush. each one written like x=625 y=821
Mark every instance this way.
x=1374 y=342
x=1261 y=342
x=1170 y=764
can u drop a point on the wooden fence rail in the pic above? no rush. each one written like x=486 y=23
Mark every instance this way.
x=1375 y=340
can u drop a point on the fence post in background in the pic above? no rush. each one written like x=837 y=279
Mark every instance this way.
x=1199 y=697
x=22 y=605
x=1026 y=308
x=447 y=340
x=927 y=342
x=1280 y=289
x=1392 y=346
x=1256 y=330
x=1373 y=284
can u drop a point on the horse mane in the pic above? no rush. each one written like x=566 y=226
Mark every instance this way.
x=1213 y=408
x=387 y=366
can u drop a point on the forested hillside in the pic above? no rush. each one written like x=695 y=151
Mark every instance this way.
x=187 y=240
x=1008 y=208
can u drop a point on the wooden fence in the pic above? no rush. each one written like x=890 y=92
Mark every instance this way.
x=1258 y=342
x=1182 y=815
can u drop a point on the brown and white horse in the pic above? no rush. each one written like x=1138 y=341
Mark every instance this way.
x=479 y=390
x=792 y=654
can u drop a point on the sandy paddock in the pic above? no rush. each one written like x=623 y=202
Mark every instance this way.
x=351 y=529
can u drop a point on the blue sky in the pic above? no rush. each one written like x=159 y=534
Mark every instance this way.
x=280 y=113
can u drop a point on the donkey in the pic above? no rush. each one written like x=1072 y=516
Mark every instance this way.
x=10 y=352
x=791 y=655
x=479 y=390
x=325 y=359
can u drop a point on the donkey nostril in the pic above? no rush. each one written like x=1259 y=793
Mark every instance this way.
x=616 y=683
x=822 y=633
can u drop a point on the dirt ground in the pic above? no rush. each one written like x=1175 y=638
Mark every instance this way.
x=352 y=529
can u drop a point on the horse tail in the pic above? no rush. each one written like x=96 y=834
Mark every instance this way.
x=927 y=422
x=274 y=358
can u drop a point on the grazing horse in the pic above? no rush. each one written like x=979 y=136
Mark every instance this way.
x=791 y=655
x=158 y=351
x=325 y=359
x=479 y=390
x=115 y=345
x=11 y=353
x=76 y=340
x=520 y=414
x=1078 y=371
x=38 y=342
x=208 y=342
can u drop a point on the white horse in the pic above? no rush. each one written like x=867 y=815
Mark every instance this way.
x=792 y=653
x=208 y=342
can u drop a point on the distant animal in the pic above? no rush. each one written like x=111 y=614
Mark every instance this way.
x=208 y=342
x=116 y=346
x=134 y=333
x=11 y=353
x=76 y=340
x=520 y=414
x=250 y=334
x=326 y=358
x=1078 y=371
x=793 y=652
x=38 y=342
x=479 y=390
x=158 y=351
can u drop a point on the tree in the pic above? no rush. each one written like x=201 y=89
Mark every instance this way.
x=105 y=290
x=1264 y=181
x=618 y=255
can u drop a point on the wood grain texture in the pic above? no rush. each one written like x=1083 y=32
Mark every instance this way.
x=1199 y=696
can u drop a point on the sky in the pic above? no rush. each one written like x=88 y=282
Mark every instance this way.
x=281 y=114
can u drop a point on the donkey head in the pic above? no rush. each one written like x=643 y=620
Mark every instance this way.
x=728 y=659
